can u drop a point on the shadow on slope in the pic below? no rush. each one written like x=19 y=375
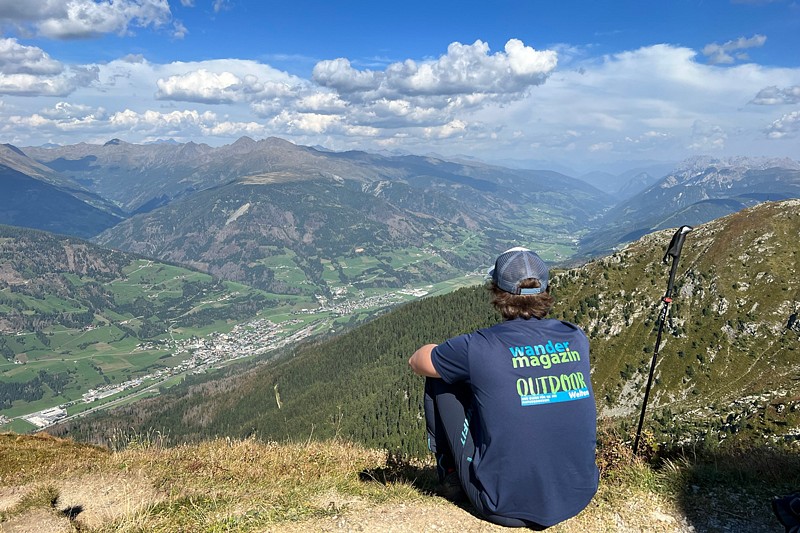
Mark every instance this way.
x=733 y=489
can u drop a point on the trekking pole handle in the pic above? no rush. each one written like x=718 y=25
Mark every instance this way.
x=676 y=244
x=674 y=251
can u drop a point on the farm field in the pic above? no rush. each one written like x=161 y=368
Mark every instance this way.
x=109 y=364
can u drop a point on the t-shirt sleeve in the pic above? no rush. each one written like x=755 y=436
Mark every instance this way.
x=451 y=359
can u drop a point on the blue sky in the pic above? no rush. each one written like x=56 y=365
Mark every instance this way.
x=577 y=83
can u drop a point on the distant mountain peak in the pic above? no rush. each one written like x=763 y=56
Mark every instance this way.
x=244 y=140
x=14 y=149
x=113 y=142
x=737 y=162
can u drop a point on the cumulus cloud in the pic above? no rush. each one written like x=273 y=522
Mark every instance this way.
x=69 y=111
x=30 y=71
x=658 y=101
x=227 y=81
x=729 y=52
x=304 y=123
x=463 y=70
x=16 y=58
x=774 y=96
x=204 y=86
x=150 y=124
x=321 y=102
x=341 y=76
x=447 y=131
x=182 y=124
x=431 y=94
x=786 y=126
x=74 y=19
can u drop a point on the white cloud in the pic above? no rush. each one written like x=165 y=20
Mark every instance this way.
x=30 y=71
x=656 y=102
x=774 y=96
x=338 y=74
x=153 y=119
x=721 y=53
x=68 y=111
x=204 y=86
x=61 y=125
x=16 y=58
x=303 y=123
x=220 y=5
x=786 y=126
x=73 y=19
x=321 y=102
x=179 y=31
x=463 y=70
x=601 y=147
x=225 y=81
x=447 y=131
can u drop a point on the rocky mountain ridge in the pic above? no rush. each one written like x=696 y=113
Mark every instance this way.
x=698 y=190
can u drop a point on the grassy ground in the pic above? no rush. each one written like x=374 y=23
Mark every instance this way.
x=249 y=485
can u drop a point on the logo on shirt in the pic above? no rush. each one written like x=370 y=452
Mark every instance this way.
x=540 y=390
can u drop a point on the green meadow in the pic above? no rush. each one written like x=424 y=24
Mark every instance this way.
x=82 y=334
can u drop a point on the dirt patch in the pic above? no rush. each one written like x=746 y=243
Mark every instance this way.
x=441 y=517
x=438 y=515
x=86 y=501
x=37 y=521
x=96 y=500
x=10 y=496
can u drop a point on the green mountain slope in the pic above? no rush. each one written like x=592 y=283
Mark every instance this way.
x=298 y=233
x=728 y=362
x=297 y=220
x=35 y=196
x=74 y=316
x=730 y=350
x=141 y=177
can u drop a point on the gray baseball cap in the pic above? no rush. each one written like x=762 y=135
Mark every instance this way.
x=515 y=265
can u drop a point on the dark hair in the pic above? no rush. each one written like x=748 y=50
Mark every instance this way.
x=526 y=306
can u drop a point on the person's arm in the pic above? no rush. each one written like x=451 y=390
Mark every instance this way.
x=421 y=363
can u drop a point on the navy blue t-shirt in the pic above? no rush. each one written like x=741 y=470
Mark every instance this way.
x=536 y=417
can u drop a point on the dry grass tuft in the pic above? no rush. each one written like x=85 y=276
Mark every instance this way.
x=225 y=484
x=27 y=458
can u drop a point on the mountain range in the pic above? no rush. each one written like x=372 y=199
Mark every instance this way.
x=37 y=197
x=293 y=219
x=696 y=191
x=237 y=210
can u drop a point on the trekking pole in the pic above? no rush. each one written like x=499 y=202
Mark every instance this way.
x=674 y=251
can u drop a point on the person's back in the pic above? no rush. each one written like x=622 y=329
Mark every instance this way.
x=514 y=413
